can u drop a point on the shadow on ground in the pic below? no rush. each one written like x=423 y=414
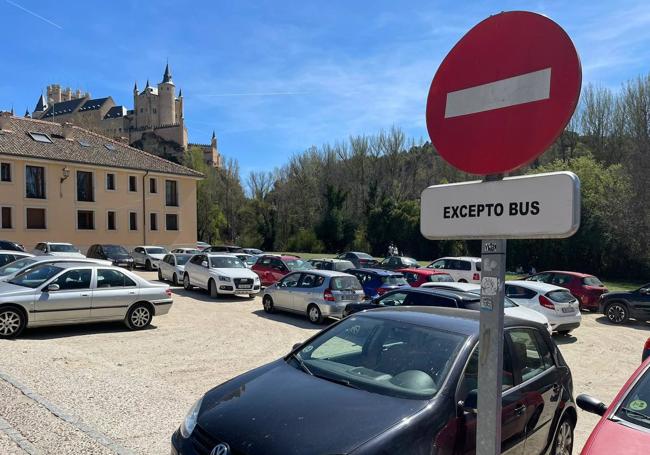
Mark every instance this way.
x=203 y=296
x=76 y=330
x=297 y=320
x=632 y=323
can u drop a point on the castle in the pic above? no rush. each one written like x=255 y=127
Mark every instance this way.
x=155 y=124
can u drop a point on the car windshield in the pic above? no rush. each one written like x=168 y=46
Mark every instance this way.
x=114 y=249
x=393 y=280
x=156 y=250
x=345 y=283
x=298 y=264
x=223 y=262
x=592 y=281
x=15 y=266
x=181 y=259
x=635 y=408
x=409 y=261
x=382 y=356
x=36 y=276
x=251 y=260
x=363 y=256
x=441 y=278
x=63 y=248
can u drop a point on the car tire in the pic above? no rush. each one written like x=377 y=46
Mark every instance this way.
x=175 y=280
x=563 y=442
x=267 y=303
x=617 y=313
x=212 y=289
x=186 y=282
x=314 y=314
x=160 y=277
x=12 y=322
x=139 y=316
x=147 y=266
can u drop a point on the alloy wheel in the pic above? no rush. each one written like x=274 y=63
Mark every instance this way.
x=9 y=323
x=140 y=317
x=314 y=314
x=616 y=313
x=564 y=439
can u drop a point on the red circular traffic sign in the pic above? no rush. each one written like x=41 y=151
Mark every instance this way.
x=504 y=93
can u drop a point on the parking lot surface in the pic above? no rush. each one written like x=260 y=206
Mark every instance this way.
x=102 y=389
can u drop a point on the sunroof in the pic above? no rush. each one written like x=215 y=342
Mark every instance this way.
x=40 y=137
x=84 y=143
x=109 y=146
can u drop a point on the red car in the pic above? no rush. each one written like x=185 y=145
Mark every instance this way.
x=271 y=268
x=586 y=288
x=417 y=277
x=624 y=428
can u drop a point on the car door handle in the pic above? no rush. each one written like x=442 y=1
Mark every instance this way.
x=85 y=295
x=520 y=410
x=132 y=292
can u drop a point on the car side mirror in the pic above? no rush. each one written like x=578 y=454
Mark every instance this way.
x=52 y=287
x=296 y=346
x=470 y=404
x=204 y=264
x=591 y=404
x=644 y=291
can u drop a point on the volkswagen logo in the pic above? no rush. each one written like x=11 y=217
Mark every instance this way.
x=221 y=449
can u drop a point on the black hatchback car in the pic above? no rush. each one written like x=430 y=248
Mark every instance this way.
x=619 y=307
x=390 y=381
x=11 y=246
x=117 y=254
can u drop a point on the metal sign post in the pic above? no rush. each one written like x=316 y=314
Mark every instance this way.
x=490 y=360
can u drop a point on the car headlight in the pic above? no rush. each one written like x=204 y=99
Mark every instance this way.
x=187 y=427
x=224 y=278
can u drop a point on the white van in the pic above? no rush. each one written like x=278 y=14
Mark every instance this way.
x=462 y=269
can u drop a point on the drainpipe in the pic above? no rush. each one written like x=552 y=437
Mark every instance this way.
x=144 y=208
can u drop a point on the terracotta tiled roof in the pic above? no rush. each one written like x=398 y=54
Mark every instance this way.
x=85 y=147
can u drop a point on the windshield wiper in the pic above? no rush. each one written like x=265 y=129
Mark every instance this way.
x=342 y=381
x=302 y=364
x=633 y=413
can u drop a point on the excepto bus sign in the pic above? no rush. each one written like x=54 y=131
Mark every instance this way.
x=527 y=207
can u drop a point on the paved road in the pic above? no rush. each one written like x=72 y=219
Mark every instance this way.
x=101 y=389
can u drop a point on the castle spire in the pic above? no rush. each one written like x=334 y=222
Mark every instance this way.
x=135 y=86
x=214 y=136
x=147 y=86
x=180 y=93
x=27 y=113
x=41 y=105
x=167 y=77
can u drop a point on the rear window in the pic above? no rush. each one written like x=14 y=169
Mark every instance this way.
x=478 y=266
x=343 y=265
x=560 y=296
x=441 y=278
x=592 y=281
x=364 y=256
x=393 y=280
x=345 y=283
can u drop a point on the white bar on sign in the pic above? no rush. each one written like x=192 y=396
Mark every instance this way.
x=521 y=89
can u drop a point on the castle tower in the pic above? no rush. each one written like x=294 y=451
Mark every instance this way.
x=166 y=99
x=41 y=107
x=179 y=106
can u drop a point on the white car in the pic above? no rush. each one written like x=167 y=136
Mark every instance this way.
x=560 y=307
x=463 y=269
x=185 y=251
x=147 y=256
x=220 y=273
x=510 y=307
x=57 y=249
x=9 y=256
x=172 y=267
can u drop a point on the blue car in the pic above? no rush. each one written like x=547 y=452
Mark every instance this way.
x=376 y=282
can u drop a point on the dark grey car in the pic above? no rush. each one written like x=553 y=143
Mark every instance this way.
x=618 y=307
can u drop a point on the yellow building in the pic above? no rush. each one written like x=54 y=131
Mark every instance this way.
x=62 y=183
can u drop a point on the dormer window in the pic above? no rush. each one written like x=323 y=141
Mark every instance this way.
x=40 y=137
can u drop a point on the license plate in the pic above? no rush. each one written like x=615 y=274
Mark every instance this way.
x=568 y=310
x=245 y=286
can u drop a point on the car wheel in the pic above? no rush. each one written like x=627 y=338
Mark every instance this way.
x=314 y=314
x=212 y=289
x=160 y=277
x=563 y=444
x=175 y=280
x=267 y=302
x=12 y=322
x=186 y=282
x=147 y=266
x=617 y=313
x=139 y=317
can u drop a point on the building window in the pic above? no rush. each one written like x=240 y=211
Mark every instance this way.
x=35 y=218
x=5 y=218
x=153 y=186
x=133 y=183
x=110 y=182
x=153 y=221
x=154 y=110
x=85 y=192
x=171 y=193
x=110 y=221
x=85 y=219
x=133 y=221
x=5 y=172
x=171 y=220
x=35 y=182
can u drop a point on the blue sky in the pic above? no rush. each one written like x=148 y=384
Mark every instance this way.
x=274 y=77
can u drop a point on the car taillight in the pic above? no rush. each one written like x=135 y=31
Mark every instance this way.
x=476 y=277
x=168 y=291
x=646 y=350
x=546 y=302
x=328 y=296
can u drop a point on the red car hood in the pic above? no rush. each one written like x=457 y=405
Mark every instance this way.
x=615 y=438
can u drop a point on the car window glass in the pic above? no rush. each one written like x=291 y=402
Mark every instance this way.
x=395 y=299
x=343 y=265
x=441 y=278
x=478 y=266
x=108 y=278
x=6 y=259
x=561 y=296
x=560 y=279
x=74 y=279
x=439 y=264
x=544 y=350
x=470 y=377
x=527 y=353
x=463 y=265
x=410 y=277
x=542 y=277
x=290 y=281
x=635 y=407
x=345 y=283
x=519 y=292
x=311 y=281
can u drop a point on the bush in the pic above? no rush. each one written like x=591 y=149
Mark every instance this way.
x=305 y=241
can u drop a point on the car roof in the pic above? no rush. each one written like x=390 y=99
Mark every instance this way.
x=329 y=260
x=464 y=287
x=536 y=285
x=61 y=259
x=377 y=271
x=422 y=271
x=148 y=246
x=220 y=255
x=325 y=273
x=24 y=253
x=576 y=274
x=57 y=243
x=458 y=320
x=71 y=263
x=463 y=258
x=460 y=295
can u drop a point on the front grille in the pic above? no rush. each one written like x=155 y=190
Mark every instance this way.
x=240 y=281
x=203 y=442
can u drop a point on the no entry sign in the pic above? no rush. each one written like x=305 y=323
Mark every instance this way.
x=504 y=93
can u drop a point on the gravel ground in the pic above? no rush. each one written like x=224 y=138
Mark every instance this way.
x=100 y=388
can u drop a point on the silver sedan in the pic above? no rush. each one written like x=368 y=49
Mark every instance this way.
x=11 y=270
x=78 y=292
